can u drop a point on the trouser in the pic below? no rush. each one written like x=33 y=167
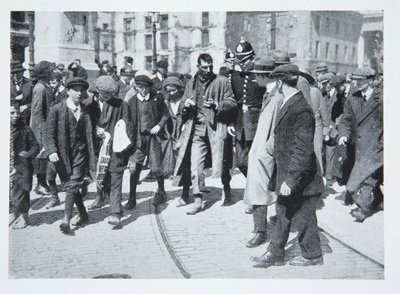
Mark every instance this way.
x=329 y=161
x=242 y=155
x=301 y=210
x=318 y=145
x=51 y=176
x=72 y=198
x=113 y=188
x=369 y=196
x=260 y=218
x=20 y=199
x=151 y=149
x=199 y=149
x=40 y=168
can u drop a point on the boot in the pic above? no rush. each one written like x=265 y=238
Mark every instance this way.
x=133 y=182
x=257 y=240
x=161 y=195
x=55 y=201
x=226 y=194
x=98 y=202
x=83 y=217
x=23 y=222
x=69 y=205
x=196 y=206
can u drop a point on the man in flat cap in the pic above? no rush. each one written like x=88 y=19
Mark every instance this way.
x=249 y=96
x=125 y=83
x=21 y=91
x=149 y=115
x=113 y=157
x=42 y=100
x=77 y=70
x=59 y=90
x=321 y=68
x=160 y=75
x=297 y=178
x=362 y=124
x=69 y=145
x=209 y=108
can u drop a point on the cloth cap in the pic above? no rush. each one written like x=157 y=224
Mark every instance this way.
x=127 y=72
x=321 y=66
x=174 y=81
x=16 y=66
x=162 y=63
x=143 y=80
x=280 y=57
x=363 y=73
x=264 y=64
x=307 y=75
x=106 y=84
x=324 y=78
x=244 y=50
x=76 y=81
x=337 y=80
x=229 y=56
x=286 y=70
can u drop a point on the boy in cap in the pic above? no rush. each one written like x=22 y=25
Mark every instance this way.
x=362 y=125
x=23 y=148
x=160 y=75
x=69 y=143
x=297 y=179
x=149 y=115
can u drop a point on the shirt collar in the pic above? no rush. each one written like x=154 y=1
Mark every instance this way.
x=368 y=93
x=71 y=105
x=141 y=98
x=332 y=92
x=160 y=77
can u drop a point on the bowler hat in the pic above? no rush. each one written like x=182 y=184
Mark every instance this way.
x=264 y=64
x=326 y=77
x=76 y=81
x=337 y=80
x=289 y=71
x=363 y=73
x=280 y=57
x=321 y=66
x=16 y=66
x=174 y=81
x=143 y=80
x=244 y=50
x=307 y=75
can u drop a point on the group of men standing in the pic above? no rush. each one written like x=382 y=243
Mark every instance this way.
x=281 y=126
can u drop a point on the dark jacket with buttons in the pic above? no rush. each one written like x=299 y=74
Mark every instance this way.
x=362 y=124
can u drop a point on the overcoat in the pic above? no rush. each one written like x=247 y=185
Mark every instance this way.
x=362 y=123
x=220 y=92
x=296 y=163
x=25 y=89
x=58 y=136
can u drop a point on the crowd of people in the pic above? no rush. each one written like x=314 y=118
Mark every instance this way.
x=284 y=128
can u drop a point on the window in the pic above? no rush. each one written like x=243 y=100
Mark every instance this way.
x=336 y=52
x=345 y=54
x=317 y=23
x=148 y=63
x=128 y=24
x=354 y=55
x=164 y=21
x=316 y=49
x=148 y=42
x=105 y=26
x=337 y=27
x=327 y=50
x=147 y=22
x=205 y=21
x=246 y=25
x=164 y=41
x=328 y=25
x=205 y=38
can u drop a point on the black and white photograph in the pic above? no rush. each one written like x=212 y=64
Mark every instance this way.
x=199 y=144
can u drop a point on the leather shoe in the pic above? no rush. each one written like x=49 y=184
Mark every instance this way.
x=80 y=221
x=96 y=204
x=249 y=210
x=301 y=261
x=257 y=240
x=114 y=220
x=55 y=201
x=160 y=198
x=194 y=208
x=359 y=215
x=130 y=205
x=268 y=260
x=65 y=228
x=41 y=190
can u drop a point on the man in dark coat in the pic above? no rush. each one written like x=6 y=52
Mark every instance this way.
x=209 y=108
x=160 y=75
x=77 y=69
x=113 y=111
x=362 y=124
x=56 y=83
x=149 y=115
x=23 y=148
x=297 y=178
x=21 y=91
x=69 y=143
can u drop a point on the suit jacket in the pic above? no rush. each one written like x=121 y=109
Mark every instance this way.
x=25 y=89
x=362 y=123
x=58 y=136
x=296 y=163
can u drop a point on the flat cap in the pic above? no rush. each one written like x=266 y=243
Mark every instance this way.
x=307 y=75
x=127 y=72
x=162 y=63
x=244 y=50
x=264 y=64
x=174 y=81
x=321 y=66
x=76 y=81
x=326 y=77
x=337 y=80
x=280 y=57
x=143 y=80
x=286 y=70
x=363 y=73
x=106 y=84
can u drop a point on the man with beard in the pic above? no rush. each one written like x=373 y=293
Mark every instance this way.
x=362 y=124
x=209 y=107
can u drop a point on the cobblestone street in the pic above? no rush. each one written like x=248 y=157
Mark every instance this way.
x=170 y=244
